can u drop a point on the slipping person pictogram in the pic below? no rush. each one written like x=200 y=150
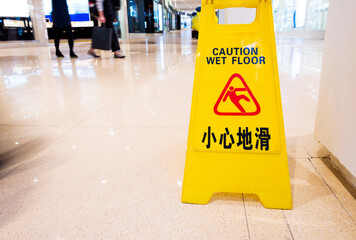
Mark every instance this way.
x=235 y=99
x=238 y=97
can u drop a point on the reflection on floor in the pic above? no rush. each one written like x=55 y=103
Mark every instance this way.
x=95 y=149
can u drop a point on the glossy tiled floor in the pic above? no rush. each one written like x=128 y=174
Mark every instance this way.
x=95 y=149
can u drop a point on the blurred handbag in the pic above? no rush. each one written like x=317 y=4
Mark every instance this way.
x=101 y=38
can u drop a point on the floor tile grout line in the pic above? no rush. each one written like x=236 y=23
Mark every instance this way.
x=55 y=140
x=307 y=152
x=37 y=152
x=336 y=171
x=97 y=127
x=89 y=116
x=101 y=107
x=138 y=127
x=248 y=228
x=38 y=126
x=52 y=142
x=290 y=230
x=332 y=191
x=68 y=130
x=332 y=169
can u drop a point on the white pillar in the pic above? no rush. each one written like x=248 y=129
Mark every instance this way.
x=336 y=115
x=39 y=22
x=124 y=24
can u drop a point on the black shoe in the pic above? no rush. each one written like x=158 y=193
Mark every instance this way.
x=73 y=55
x=119 y=55
x=93 y=54
x=59 y=54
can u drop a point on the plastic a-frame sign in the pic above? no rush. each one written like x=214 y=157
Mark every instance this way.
x=236 y=139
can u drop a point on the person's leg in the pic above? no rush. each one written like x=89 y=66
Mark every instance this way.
x=57 y=39
x=70 y=41
x=92 y=53
x=115 y=46
x=91 y=50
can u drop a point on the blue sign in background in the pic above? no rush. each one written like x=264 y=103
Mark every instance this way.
x=78 y=17
x=78 y=10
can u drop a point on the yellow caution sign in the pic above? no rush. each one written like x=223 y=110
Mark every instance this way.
x=236 y=137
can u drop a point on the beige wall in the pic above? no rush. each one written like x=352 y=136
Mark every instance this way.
x=336 y=116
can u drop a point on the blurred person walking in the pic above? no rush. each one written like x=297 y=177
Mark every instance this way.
x=107 y=16
x=94 y=15
x=61 y=22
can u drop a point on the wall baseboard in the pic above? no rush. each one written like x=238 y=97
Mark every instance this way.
x=343 y=170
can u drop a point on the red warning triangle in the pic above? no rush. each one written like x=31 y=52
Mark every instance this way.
x=237 y=99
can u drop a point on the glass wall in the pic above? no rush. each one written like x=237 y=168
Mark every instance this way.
x=170 y=27
x=166 y=14
x=141 y=15
x=134 y=23
x=290 y=15
x=158 y=16
x=317 y=11
x=152 y=16
x=174 y=17
x=16 y=21
x=185 y=21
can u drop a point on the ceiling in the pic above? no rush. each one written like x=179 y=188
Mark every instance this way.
x=186 y=5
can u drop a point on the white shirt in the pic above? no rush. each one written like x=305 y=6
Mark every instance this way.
x=100 y=5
